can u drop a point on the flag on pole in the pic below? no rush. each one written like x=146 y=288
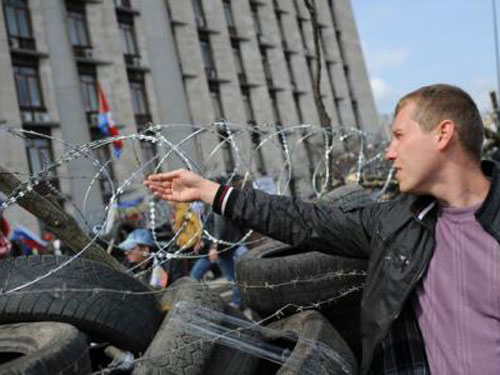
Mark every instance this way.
x=105 y=122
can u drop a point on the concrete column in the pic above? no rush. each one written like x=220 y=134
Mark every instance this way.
x=74 y=127
x=13 y=148
x=172 y=103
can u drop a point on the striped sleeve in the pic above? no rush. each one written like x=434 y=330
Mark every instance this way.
x=224 y=199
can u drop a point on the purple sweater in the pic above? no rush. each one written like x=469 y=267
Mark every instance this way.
x=458 y=301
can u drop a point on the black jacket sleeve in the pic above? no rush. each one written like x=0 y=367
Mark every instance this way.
x=340 y=230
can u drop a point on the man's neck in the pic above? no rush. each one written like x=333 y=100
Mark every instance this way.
x=462 y=187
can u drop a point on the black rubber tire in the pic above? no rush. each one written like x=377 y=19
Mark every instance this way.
x=45 y=348
x=316 y=347
x=129 y=321
x=285 y=264
x=266 y=277
x=226 y=360
x=346 y=318
x=174 y=350
x=354 y=195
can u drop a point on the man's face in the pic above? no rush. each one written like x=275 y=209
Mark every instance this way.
x=413 y=153
x=138 y=254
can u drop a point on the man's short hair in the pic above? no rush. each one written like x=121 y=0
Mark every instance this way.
x=436 y=103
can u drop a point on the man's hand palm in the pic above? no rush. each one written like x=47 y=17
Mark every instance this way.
x=183 y=191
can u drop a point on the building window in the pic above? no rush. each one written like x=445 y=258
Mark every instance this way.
x=259 y=160
x=274 y=107
x=355 y=109
x=309 y=62
x=335 y=95
x=40 y=156
x=227 y=153
x=139 y=102
x=332 y=10
x=39 y=150
x=228 y=13
x=207 y=56
x=77 y=25
x=103 y=155
x=199 y=15
x=206 y=52
x=256 y=21
x=288 y=60
x=247 y=105
x=302 y=34
x=139 y=99
x=150 y=156
x=88 y=85
x=266 y=66
x=29 y=93
x=338 y=35
x=300 y=115
x=216 y=101
x=18 y=21
x=143 y=117
x=127 y=36
x=279 y=20
x=238 y=61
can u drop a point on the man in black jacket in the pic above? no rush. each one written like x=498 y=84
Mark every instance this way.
x=431 y=302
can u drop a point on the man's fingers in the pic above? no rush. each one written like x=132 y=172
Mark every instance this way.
x=162 y=191
x=162 y=185
x=165 y=176
x=156 y=184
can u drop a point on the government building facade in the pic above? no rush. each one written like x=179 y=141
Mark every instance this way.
x=195 y=62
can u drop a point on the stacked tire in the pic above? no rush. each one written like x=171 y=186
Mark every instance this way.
x=200 y=335
x=51 y=307
x=277 y=278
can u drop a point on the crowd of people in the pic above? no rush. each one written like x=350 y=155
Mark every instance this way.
x=216 y=252
x=138 y=251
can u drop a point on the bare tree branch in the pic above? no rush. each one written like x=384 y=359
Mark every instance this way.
x=324 y=118
x=60 y=223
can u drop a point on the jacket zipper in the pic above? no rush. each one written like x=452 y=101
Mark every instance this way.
x=419 y=274
x=413 y=282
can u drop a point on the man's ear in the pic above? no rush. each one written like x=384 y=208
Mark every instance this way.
x=445 y=131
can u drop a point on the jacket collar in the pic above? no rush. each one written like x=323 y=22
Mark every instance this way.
x=489 y=212
x=423 y=207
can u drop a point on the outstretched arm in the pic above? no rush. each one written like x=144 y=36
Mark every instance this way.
x=333 y=230
x=182 y=186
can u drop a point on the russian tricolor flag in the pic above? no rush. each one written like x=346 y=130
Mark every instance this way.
x=105 y=123
x=28 y=240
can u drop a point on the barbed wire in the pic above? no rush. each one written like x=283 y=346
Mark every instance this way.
x=364 y=156
x=249 y=326
x=60 y=292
